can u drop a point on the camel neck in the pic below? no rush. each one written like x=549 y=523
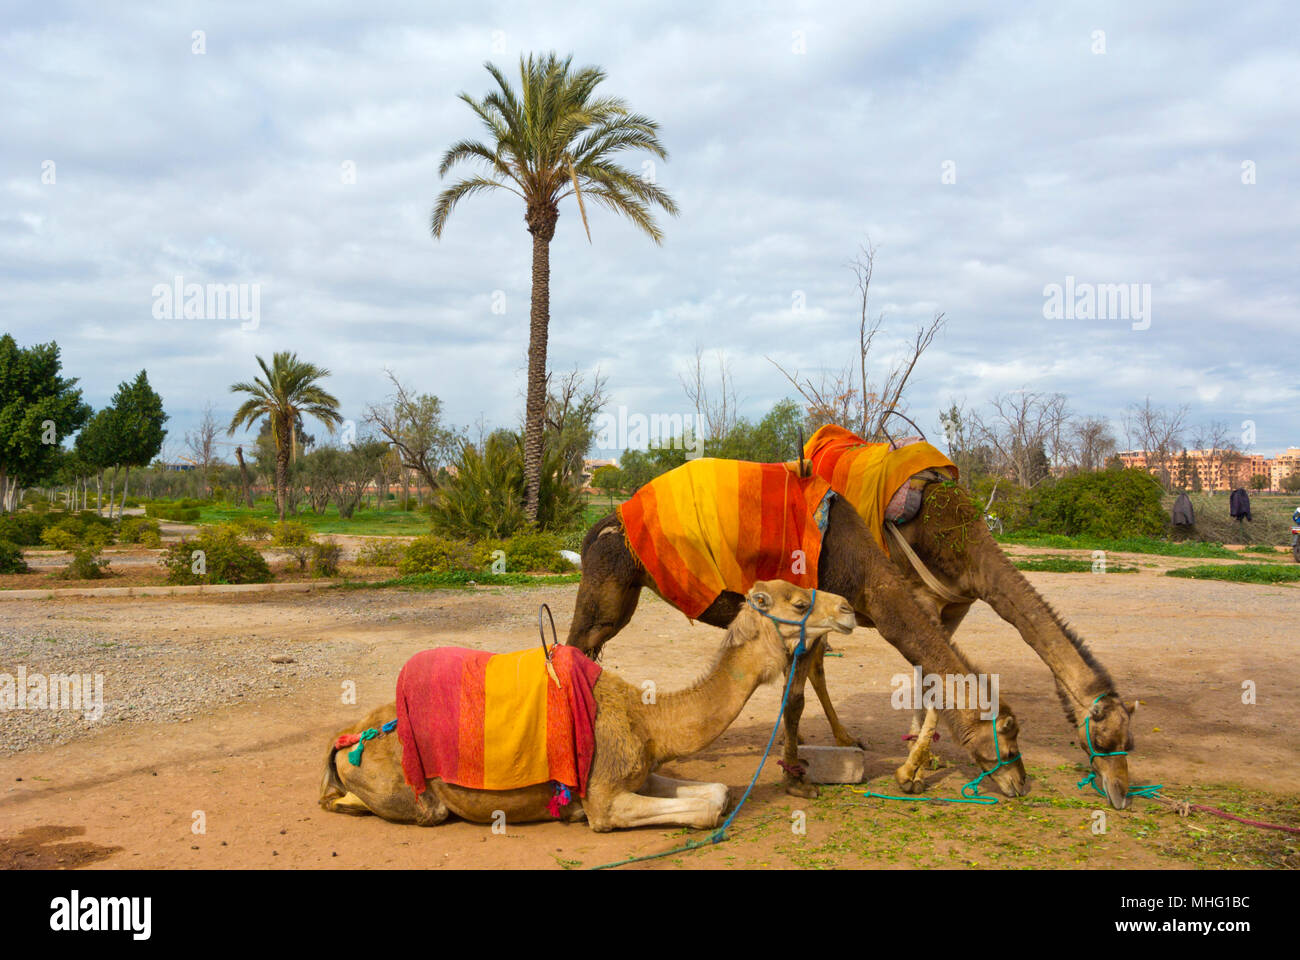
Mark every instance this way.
x=683 y=722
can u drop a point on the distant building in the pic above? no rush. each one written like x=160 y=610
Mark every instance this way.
x=1217 y=470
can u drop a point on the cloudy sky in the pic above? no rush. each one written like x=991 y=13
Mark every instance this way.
x=986 y=154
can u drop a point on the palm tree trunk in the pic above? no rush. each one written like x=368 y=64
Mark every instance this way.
x=541 y=224
x=281 y=471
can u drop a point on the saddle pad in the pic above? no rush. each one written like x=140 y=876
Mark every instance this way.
x=712 y=525
x=497 y=721
x=868 y=475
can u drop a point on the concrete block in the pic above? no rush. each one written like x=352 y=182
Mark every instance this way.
x=834 y=764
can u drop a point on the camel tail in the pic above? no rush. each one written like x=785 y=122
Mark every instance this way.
x=331 y=787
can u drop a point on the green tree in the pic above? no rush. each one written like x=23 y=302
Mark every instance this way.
x=137 y=428
x=38 y=409
x=286 y=391
x=552 y=138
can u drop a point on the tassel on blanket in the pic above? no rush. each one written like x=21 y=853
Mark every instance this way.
x=560 y=797
x=348 y=739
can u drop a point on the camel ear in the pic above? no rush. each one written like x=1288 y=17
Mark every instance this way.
x=1131 y=707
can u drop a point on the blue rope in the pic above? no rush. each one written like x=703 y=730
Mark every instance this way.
x=720 y=835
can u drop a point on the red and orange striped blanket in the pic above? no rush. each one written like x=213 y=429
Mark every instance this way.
x=497 y=721
x=868 y=475
x=712 y=525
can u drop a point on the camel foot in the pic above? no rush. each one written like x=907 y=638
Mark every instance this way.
x=801 y=788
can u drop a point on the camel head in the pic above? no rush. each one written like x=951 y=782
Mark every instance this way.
x=990 y=752
x=1106 y=725
x=769 y=601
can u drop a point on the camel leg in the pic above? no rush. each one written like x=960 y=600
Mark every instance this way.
x=909 y=775
x=795 y=785
x=818 y=675
x=636 y=810
x=661 y=786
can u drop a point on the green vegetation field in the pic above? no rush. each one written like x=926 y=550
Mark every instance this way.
x=364 y=523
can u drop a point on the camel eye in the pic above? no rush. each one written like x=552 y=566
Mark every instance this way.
x=800 y=604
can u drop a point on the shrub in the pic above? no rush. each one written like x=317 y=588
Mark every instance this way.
x=382 y=553
x=536 y=551
x=435 y=554
x=24 y=529
x=134 y=529
x=325 y=556
x=255 y=528
x=85 y=565
x=295 y=538
x=225 y=559
x=1111 y=503
x=176 y=514
x=11 y=558
x=58 y=538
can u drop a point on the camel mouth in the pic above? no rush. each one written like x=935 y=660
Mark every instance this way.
x=1112 y=772
x=1011 y=780
x=844 y=623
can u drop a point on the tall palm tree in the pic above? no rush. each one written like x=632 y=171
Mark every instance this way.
x=287 y=391
x=551 y=139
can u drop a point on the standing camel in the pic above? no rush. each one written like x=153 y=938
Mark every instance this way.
x=632 y=738
x=849 y=564
x=957 y=555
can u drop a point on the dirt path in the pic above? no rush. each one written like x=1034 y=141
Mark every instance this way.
x=200 y=722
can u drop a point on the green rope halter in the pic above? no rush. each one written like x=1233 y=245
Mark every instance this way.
x=973 y=796
x=1147 y=790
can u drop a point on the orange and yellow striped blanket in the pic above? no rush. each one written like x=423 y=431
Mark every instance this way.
x=497 y=721
x=712 y=525
x=868 y=475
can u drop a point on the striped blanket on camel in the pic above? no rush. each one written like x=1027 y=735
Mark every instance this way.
x=497 y=721
x=871 y=476
x=712 y=525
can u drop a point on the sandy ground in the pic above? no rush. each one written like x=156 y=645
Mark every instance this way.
x=202 y=729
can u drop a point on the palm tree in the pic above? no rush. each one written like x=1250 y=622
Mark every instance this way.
x=288 y=391
x=552 y=139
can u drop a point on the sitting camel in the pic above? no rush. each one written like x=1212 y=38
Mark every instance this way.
x=847 y=561
x=632 y=737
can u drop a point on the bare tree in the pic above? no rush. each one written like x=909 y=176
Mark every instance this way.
x=849 y=397
x=1158 y=433
x=1222 y=454
x=1093 y=443
x=717 y=409
x=201 y=442
x=1025 y=431
x=413 y=425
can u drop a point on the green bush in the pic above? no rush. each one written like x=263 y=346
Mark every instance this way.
x=25 y=529
x=325 y=556
x=536 y=552
x=173 y=512
x=255 y=528
x=85 y=565
x=1110 y=503
x=58 y=538
x=225 y=559
x=136 y=529
x=11 y=558
x=434 y=554
x=382 y=553
x=295 y=538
